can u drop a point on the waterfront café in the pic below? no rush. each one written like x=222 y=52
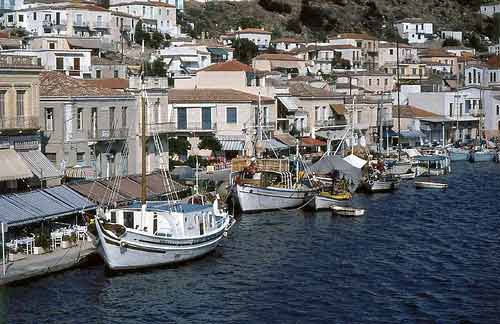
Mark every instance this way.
x=38 y=221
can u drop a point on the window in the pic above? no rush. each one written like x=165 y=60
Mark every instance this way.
x=231 y=115
x=378 y=82
x=115 y=74
x=76 y=64
x=93 y=122
x=111 y=117
x=386 y=81
x=128 y=219
x=316 y=113
x=49 y=119
x=113 y=217
x=451 y=109
x=155 y=224
x=2 y=107
x=21 y=18
x=80 y=157
x=369 y=82
x=98 y=74
x=414 y=71
x=10 y=18
x=391 y=52
x=20 y=103
x=52 y=45
x=79 y=118
x=498 y=110
x=59 y=63
x=461 y=109
x=359 y=117
x=124 y=117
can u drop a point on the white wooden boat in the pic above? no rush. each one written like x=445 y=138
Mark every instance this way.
x=324 y=201
x=254 y=198
x=346 y=211
x=406 y=176
x=430 y=185
x=158 y=234
x=383 y=184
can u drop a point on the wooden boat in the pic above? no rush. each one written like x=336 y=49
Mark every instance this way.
x=347 y=211
x=325 y=200
x=406 y=176
x=430 y=185
x=384 y=183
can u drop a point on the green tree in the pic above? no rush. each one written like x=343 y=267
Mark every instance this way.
x=139 y=34
x=244 y=50
x=210 y=143
x=451 y=42
x=249 y=22
x=179 y=146
x=157 y=40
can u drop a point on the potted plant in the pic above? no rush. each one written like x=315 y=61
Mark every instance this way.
x=42 y=244
x=66 y=242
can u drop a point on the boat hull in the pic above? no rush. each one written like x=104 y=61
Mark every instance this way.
x=136 y=251
x=482 y=156
x=253 y=199
x=382 y=186
x=430 y=185
x=322 y=203
x=459 y=156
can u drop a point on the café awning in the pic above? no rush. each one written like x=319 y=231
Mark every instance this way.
x=13 y=166
x=286 y=139
x=232 y=143
x=290 y=103
x=38 y=163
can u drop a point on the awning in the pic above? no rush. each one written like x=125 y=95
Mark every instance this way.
x=12 y=166
x=336 y=134
x=34 y=206
x=232 y=143
x=41 y=167
x=6 y=43
x=272 y=144
x=217 y=51
x=286 y=139
x=390 y=133
x=412 y=134
x=78 y=172
x=339 y=109
x=311 y=142
x=290 y=103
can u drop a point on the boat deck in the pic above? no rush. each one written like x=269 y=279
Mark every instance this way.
x=44 y=264
x=162 y=206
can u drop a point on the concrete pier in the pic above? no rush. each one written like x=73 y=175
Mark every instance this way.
x=40 y=265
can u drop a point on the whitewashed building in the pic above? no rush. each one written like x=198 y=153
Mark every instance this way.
x=450 y=34
x=184 y=60
x=490 y=9
x=415 y=30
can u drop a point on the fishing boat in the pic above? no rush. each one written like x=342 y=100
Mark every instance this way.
x=430 y=185
x=325 y=200
x=267 y=184
x=154 y=233
x=458 y=154
x=432 y=165
x=482 y=155
x=347 y=211
x=406 y=176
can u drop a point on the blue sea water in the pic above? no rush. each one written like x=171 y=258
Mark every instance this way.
x=418 y=256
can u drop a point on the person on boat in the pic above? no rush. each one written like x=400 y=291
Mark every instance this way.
x=251 y=169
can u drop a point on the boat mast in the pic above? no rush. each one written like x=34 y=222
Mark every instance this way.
x=259 y=126
x=399 y=103
x=143 y=142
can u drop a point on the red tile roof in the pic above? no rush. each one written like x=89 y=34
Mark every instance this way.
x=108 y=83
x=309 y=141
x=253 y=31
x=493 y=62
x=213 y=96
x=412 y=112
x=57 y=84
x=278 y=57
x=228 y=66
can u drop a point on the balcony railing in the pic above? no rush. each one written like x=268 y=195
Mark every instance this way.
x=194 y=127
x=108 y=134
x=100 y=25
x=81 y=24
x=325 y=123
x=27 y=122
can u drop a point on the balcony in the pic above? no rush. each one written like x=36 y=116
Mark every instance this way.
x=100 y=25
x=173 y=127
x=108 y=134
x=19 y=123
x=81 y=25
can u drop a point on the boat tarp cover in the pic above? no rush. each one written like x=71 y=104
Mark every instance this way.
x=328 y=164
x=355 y=161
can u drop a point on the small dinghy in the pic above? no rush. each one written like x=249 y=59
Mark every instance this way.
x=430 y=185
x=406 y=176
x=347 y=211
x=324 y=200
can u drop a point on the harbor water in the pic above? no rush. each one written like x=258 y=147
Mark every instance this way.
x=418 y=255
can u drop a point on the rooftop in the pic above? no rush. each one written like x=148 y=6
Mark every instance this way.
x=228 y=66
x=57 y=84
x=144 y=3
x=412 y=112
x=253 y=31
x=305 y=90
x=213 y=96
x=361 y=36
x=278 y=57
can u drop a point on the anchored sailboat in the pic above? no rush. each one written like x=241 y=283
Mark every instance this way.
x=154 y=233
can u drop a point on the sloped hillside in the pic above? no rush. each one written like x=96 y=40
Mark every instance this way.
x=316 y=18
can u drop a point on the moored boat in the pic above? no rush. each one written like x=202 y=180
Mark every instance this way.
x=482 y=156
x=325 y=200
x=347 y=211
x=458 y=154
x=430 y=185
